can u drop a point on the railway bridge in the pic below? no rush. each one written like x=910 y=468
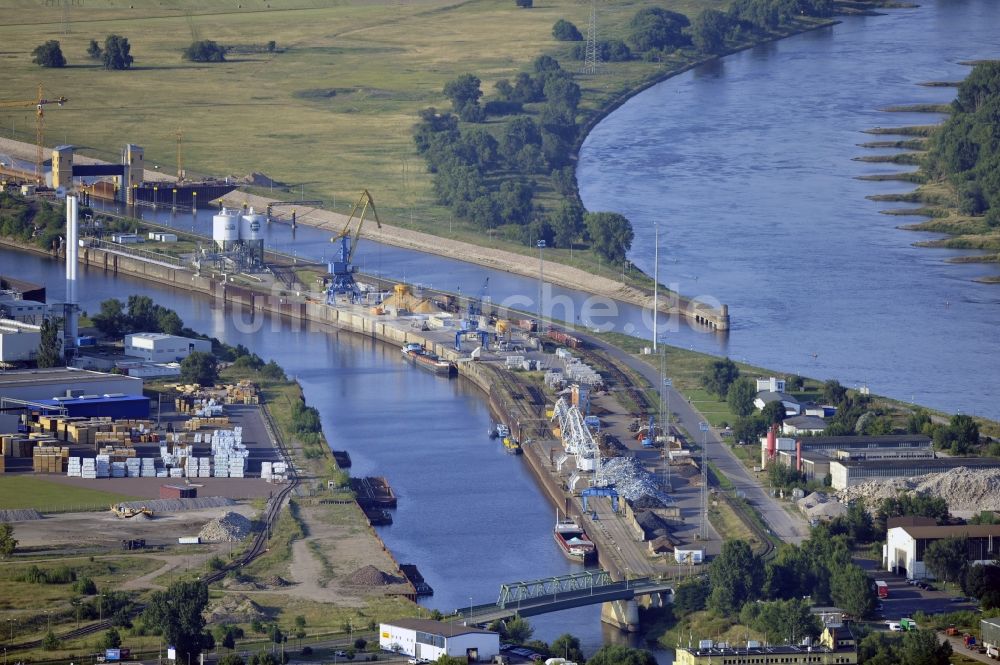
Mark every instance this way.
x=618 y=598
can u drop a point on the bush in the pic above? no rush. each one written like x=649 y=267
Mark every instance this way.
x=94 y=51
x=85 y=587
x=48 y=54
x=205 y=50
x=524 y=4
x=565 y=31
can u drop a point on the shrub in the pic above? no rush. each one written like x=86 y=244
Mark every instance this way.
x=48 y=54
x=205 y=50
x=565 y=31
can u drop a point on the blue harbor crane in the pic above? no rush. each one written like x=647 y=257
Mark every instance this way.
x=470 y=324
x=650 y=439
x=342 y=269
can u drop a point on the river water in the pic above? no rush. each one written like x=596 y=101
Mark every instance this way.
x=746 y=166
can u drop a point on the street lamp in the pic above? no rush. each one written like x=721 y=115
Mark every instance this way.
x=541 y=278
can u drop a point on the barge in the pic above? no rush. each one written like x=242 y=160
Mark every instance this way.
x=420 y=357
x=573 y=541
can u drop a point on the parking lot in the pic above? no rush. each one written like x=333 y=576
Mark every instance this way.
x=906 y=599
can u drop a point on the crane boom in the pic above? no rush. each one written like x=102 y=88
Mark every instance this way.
x=364 y=202
x=40 y=102
x=343 y=269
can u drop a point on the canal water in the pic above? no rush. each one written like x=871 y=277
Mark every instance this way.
x=470 y=516
x=746 y=166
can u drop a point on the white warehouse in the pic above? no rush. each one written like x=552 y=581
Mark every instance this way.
x=161 y=348
x=19 y=341
x=429 y=640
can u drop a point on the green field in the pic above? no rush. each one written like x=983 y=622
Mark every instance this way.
x=329 y=112
x=49 y=497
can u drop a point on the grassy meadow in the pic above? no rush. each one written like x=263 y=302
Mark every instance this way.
x=328 y=113
x=30 y=491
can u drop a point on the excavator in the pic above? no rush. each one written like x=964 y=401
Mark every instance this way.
x=342 y=269
x=125 y=512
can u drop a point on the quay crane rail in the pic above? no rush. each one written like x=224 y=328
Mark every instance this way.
x=342 y=268
x=40 y=102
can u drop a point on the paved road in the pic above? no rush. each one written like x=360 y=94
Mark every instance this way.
x=785 y=526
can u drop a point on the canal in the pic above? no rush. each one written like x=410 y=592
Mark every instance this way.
x=746 y=165
x=470 y=516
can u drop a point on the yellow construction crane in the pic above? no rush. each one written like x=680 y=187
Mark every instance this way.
x=39 y=103
x=342 y=269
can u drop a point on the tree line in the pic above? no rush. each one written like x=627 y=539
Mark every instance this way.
x=116 y=54
x=966 y=149
x=488 y=175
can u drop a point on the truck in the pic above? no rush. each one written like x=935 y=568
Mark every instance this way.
x=969 y=640
x=882 y=588
x=908 y=624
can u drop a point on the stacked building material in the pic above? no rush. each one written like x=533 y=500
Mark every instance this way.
x=73 y=467
x=50 y=459
x=148 y=468
x=88 y=468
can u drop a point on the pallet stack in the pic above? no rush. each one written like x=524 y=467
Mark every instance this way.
x=15 y=445
x=50 y=459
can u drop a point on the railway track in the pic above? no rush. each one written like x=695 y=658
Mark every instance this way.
x=257 y=548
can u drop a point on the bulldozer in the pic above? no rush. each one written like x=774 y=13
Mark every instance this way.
x=125 y=512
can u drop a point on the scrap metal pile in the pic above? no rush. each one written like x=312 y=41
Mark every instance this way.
x=632 y=480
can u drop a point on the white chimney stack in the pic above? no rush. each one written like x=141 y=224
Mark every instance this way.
x=72 y=264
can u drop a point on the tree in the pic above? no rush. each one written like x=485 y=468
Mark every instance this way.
x=833 y=392
x=851 y=590
x=205 y=50
x=788 y=620
x=111 y=639
x=740 y=396
x=524 y=4
x=169 y=322
x=610 y=233
x=48 y=54
x=736 y=577
x=231 y=659
x=464 y=94
x=691 y=596
x=719 y=375
x=774 y=412
x=565 y=31
x=980 y=579
x=615 y=654
x=117 y=53
x=923 y=647
x=7 y=541
x=111 y=320
x=200 y=368
x=708 y=31
x=177 y=614
x=49 y=349
x=94 y=51
x=947 y=558
x=568 y=647
x=657 y=28
x=519 y=630
x=567 y=223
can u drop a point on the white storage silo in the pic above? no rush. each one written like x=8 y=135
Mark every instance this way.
x=250 y=225
x=225 y=229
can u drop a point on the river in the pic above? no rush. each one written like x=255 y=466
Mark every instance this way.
x=470 y=516
x=746 y=165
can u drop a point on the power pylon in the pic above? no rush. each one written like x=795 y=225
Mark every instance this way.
x=591 y=59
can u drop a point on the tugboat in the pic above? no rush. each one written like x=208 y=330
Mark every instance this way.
x=420 y=357
x=512 y=446
x=573 y=541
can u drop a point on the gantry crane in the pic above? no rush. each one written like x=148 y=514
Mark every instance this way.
x=343 y=268
x=39 y=103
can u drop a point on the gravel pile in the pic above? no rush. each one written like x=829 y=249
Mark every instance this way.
x=19 y=515
x=173 y=505
x=234 y=608
x=371 y=576
x=230 y=528
x=632 y=480
x=963 y=488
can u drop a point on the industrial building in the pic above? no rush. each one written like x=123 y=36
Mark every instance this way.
x=429 y=640
x=162 y=348
x=19 y=341
x=39 y=384
x=836 y=646
x=122 y=407
x=892 y=446
x=903 y=552
x=25 y=311
x=849 y=472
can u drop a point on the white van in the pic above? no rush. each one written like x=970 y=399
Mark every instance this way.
x=894 y=626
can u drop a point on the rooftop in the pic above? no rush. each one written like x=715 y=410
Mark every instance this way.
x=867 y=441
x=952 y=531
x=770 y=396
x=437 y=627
x=776 y=650
x=806 y=422
x=34 y=377
x=155 y=336
x=925 y=465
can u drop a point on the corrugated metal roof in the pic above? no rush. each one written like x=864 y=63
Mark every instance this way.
x=437 y=627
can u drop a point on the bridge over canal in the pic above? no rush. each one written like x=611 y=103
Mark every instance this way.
x=568 y=591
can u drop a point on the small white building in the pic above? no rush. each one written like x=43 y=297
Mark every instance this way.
x=429 y=640
x=771 y=384
x=803 y=425
x=19 y=341
x=903 y=552
x=25 y=311
x=765 y=397
x=161 y=348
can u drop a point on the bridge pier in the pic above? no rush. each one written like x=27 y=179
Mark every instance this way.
x=622 y=614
